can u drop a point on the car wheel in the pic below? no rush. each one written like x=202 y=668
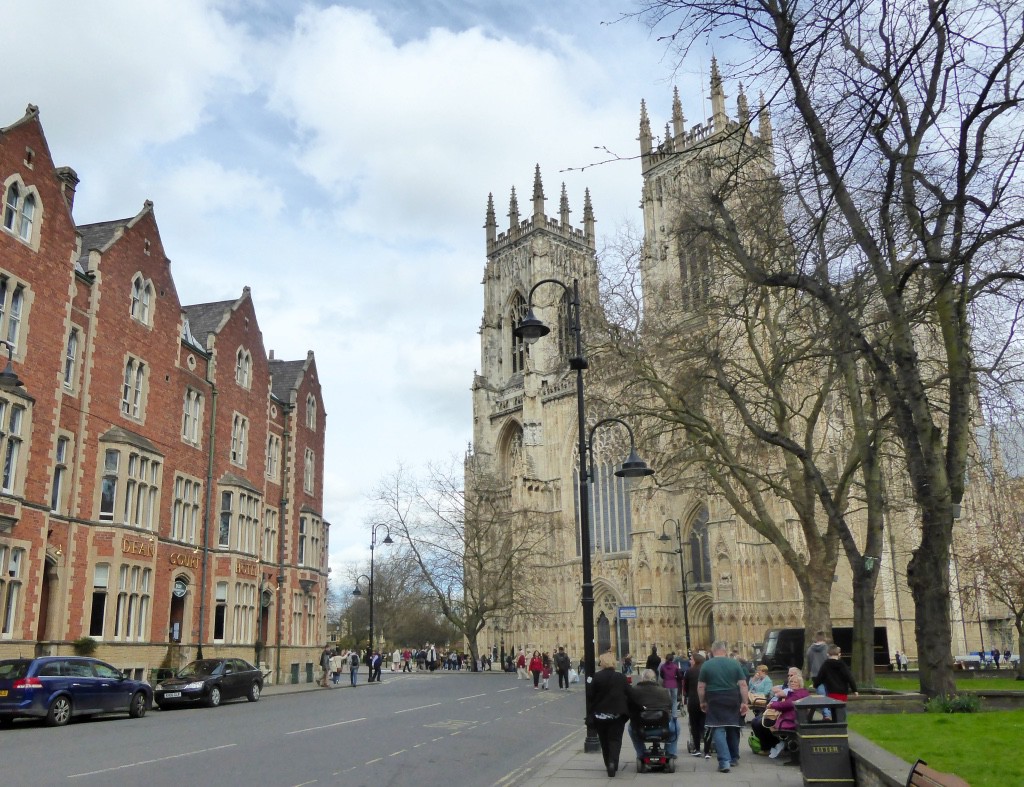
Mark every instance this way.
x=59 y=712
x=6 y=721
x=670 y=766
x=254 y=693
x=641 y=766
x=214 y=699
x=137 y=707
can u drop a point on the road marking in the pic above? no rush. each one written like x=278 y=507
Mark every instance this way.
x=150 y=762
x=395 y=754
x=512 y=689
x=471 y=696
x=524 y=769
x=325 y=726
x=371 y=762
x=421 y=707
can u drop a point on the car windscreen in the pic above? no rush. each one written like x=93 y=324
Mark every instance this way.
x=201 y=667
x=12 y=669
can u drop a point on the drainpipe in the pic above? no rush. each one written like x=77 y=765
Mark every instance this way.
x=212 y=437
x=286 y=410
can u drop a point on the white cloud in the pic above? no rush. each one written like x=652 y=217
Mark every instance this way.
x=338 y=162
x=161 y=58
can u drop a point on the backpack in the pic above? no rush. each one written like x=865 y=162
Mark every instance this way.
x=353 y=659
x=562 y=662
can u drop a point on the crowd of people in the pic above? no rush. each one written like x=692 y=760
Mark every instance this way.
x=720 y=693
x=335 y=663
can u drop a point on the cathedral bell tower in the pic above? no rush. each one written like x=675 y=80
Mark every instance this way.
x=520 y=387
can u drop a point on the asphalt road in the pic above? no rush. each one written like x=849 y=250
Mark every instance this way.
x=446 y=729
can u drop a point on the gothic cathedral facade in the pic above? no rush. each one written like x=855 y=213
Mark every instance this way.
x=669 y=568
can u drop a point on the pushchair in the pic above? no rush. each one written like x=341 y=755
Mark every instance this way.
x=655 y=731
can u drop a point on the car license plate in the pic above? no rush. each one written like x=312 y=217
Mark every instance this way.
x=170 y=695
x=3 y=692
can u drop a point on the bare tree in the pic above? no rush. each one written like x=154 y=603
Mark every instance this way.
x=474 y=552
x=990 y=565
x=404 y=611
x=747 y=394
x=903 y=139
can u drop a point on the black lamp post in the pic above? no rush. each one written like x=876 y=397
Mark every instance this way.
x=682 y=575
x=356 y=592
x=530 y=330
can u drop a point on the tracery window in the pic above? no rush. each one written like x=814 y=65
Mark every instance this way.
x=519 y=349
x=20 y=211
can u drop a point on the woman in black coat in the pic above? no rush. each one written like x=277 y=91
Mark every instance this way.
x=690 y=681
x=606 y=697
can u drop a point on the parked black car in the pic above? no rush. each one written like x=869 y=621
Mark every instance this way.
x=210 y=682
x=56 y=688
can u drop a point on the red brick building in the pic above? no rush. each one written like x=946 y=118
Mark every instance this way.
x=161 y=490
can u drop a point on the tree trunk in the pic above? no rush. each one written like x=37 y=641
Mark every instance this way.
x=474 y=650
x=928 y=577
x=1020 y=648
x=863 y=654
x=817 y=591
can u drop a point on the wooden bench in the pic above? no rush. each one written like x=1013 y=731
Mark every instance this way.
x=923 y=776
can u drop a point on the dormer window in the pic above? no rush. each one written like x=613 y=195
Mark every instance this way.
x=142 y=298
x=20 y=212
x=311 y=412
x=243 y=368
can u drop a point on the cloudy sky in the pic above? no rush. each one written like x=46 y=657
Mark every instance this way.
x=337 y=159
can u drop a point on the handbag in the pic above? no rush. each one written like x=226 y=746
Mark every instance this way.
x=770 y=716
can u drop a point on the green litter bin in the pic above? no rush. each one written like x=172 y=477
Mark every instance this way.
x=824 y=742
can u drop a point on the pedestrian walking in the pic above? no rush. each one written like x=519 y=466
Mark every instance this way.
x=353 y=666
x=536 y=667
x=562 y=667
x=325 y=666
x=723 y=697
x=609 y=709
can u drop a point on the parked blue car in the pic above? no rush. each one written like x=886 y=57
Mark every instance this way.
x=56 y=688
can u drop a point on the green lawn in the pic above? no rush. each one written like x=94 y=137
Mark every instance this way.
x=983 y=748
x=963 y=684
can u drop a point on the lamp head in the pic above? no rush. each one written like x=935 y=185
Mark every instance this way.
x=634 y=467
x=388 y=539
x=357 y=591
x=531 y=329
x=8 y=379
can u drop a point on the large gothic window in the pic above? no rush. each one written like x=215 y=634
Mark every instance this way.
x=611 y=516
x=512 y=463
x=519 y=348
x=694 y=272
x=700 y=548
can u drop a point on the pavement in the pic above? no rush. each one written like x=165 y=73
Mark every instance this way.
x=566 y=764
x=571 y=766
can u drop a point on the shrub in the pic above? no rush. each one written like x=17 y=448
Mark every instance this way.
x=85 y=646
x=957 y=703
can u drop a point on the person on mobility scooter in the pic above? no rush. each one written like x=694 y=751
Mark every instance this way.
x=653 y=727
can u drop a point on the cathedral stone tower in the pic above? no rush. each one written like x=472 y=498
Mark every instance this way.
x=676 y=170
x=524 y=405
x=518 y=382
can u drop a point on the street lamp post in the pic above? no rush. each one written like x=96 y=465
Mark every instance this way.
x=356 y=592
x=530 y=330
x=682 y=574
